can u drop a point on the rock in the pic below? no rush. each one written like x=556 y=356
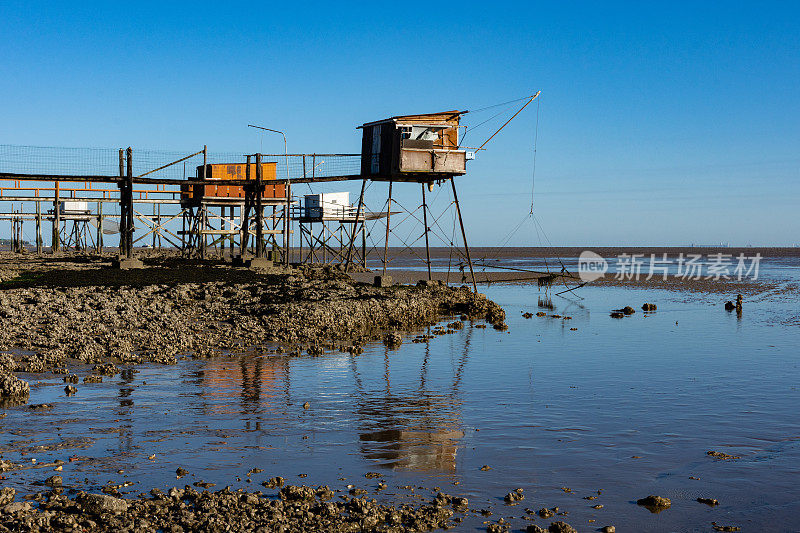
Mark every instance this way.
x=273 y=482
x=53 y=481
x=315 y=350
x=71 y=378
x=180 y=472
x=382 y=281
x=514 y=496
x=7 y=495
x=297 y=493
x=545 y=513
x=655 y=504
x=101 y=503
x=533 y=528
x=649 y=307
x=721 y=455
x=16 y=507
x=729 y=306
x=561 y=527
x=14 y=389
x=69 y=390
x=617 y=314
x=527 y=315
x=306 y=405
x=628 y=310
x=393 y=339
x=708 y=501
x=460 y=503
x=486 y=467
x=609 y=529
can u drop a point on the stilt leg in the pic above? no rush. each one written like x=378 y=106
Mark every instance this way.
x=388 y=226
x=355 y=226
x=463 y=234
x=425 y=221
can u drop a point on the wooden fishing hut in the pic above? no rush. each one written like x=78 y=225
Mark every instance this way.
x=419 y=148
x=221 y=189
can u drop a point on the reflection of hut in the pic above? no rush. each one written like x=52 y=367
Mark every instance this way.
x=431 y=446
x=256 y=379
x=416 y=148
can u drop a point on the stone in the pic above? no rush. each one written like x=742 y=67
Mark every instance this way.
x=393 y=339
x=54 y=481
x=514 y=496
x=260 y=262
x=561 y=527
x=13 y=387
x=7 y=495
x=382 y=281
x=655 y=504
x=16 y=507
x=127 y=263
x=102 y=503
x=609 y=529
x=649 y=307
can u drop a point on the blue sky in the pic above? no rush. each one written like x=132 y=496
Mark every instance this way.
x=664 y=124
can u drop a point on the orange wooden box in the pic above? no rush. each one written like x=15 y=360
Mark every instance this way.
x=232 y=171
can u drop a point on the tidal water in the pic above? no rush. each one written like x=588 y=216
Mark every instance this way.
x=614 y=408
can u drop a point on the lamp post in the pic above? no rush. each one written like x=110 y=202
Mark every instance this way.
x=288 y=189
x=285 y=152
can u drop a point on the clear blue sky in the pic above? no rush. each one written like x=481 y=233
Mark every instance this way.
x=659 y=124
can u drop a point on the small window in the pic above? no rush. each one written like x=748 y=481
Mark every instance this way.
x=405 y=132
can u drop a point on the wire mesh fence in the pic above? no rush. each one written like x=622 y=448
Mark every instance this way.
x=47 y=160
x=59 y=161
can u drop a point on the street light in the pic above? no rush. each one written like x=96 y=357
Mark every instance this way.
x=285 y=152
x=288 y=189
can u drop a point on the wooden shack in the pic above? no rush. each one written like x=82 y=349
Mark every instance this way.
x=195 y=193
x=419 y=148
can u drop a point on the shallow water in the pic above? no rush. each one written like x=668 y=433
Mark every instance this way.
x=546 y=407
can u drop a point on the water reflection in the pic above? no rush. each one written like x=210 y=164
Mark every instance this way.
x=412 y=426
x=261 y=384
x=404 y=419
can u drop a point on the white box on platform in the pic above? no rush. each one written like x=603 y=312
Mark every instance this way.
x=328 y=204
x=69 y=207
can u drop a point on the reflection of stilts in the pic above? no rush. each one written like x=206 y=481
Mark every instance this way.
x=418 y=429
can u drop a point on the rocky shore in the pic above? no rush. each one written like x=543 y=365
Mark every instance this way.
x=296 y=508
x=56 y=313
